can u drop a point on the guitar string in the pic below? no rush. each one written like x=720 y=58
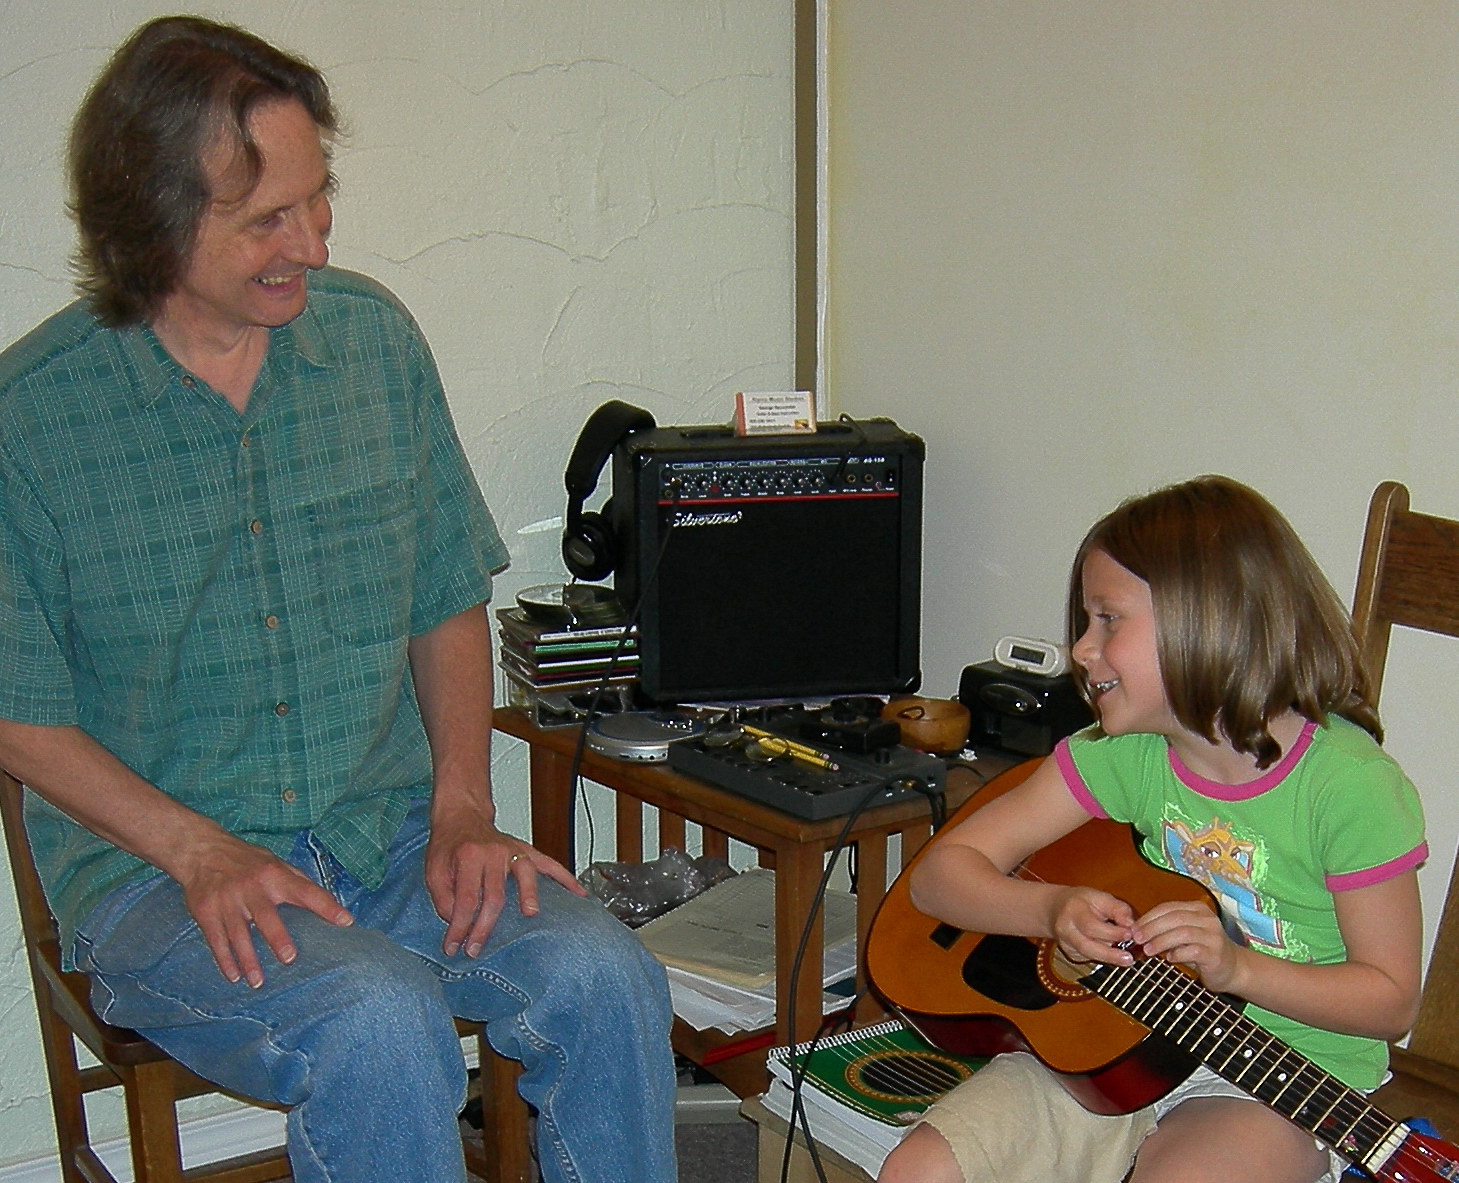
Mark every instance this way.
x=1352 y=1108
x=1407 y=1154
x=1261 y=1054
x=1410 y=1153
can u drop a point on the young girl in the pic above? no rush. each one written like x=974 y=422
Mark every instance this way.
x=1236 y=734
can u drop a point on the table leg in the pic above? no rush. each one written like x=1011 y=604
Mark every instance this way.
x=871 y=879
x=798 y=870
x=550 y=777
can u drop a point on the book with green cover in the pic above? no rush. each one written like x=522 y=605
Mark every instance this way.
x=876 y=1077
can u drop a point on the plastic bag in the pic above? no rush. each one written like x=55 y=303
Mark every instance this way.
x=637 y=892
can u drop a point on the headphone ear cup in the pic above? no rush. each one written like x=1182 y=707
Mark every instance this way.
x=588 y=547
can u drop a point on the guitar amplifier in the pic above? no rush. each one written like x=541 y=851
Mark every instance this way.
x=771 y=566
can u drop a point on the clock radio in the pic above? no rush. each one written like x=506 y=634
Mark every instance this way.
x=1020 y=711
x=1032 y=657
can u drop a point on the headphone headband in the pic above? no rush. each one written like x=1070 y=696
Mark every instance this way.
x=600 y=435
x=588 y=546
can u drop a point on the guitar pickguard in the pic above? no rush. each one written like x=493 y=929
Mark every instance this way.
x=1006 y=969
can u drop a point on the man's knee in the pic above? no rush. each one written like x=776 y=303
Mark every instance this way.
x=584 y=944
x=384 y=1026
x=383 y=997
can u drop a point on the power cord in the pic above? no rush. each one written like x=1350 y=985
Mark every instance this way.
x=800 y=1061
x=595 y=703
x=799 y=1064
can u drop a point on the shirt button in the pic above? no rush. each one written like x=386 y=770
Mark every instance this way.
x=281 y=709
x=189 y=381
x=271 y=622
x=246 y=442
x=256 y=526
x=289 y=795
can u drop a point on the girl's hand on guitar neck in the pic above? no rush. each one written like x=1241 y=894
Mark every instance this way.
x=1189 y=933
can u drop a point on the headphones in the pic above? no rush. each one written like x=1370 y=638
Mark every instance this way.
x=588 y=546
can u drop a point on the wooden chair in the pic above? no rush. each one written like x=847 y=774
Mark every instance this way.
x=152 y=1082
x=1409 y=576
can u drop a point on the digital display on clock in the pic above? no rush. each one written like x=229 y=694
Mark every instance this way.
x=1023 y=653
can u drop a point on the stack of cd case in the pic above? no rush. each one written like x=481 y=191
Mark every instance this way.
x=541 y=657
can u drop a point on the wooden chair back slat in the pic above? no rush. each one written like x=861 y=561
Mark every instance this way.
x=1408 y=576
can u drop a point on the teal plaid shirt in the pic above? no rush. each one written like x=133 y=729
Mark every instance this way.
x=224 y=601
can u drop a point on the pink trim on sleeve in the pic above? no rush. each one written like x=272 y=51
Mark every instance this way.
x=1352 y=880
x=1074 y=782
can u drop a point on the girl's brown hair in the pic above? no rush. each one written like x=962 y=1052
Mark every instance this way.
x=1247 y=626
x=138 y=186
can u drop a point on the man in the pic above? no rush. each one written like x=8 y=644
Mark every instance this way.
x=248 y=667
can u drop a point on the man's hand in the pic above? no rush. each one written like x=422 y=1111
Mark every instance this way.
x=467 y=864
x=232 y=887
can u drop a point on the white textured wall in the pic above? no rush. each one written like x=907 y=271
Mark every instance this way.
x=1087 y=248
x=579 y=199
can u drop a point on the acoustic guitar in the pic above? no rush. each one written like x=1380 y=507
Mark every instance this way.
x=1117 y=1037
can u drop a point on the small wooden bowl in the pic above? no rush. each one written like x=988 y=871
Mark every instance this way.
x=929 y=724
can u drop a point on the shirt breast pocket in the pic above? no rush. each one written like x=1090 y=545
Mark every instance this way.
x=364 y=546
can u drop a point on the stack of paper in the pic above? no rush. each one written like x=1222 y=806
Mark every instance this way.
x=705 y=1002
x=719 y=951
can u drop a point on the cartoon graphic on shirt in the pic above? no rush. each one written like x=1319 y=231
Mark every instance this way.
x=1217 y=858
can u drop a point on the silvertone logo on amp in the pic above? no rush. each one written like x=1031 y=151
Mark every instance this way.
x=685 y=518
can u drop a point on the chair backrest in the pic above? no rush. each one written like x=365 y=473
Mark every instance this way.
x=36 y=921
x=1409 y=576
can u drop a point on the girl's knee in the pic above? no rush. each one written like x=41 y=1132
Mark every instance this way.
x=923 y=1156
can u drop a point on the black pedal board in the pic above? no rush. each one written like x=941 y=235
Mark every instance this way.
x=805 y=789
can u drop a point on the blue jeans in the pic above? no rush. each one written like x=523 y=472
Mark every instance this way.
x=356 y=1036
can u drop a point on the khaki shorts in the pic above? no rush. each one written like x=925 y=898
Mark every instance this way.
x=1014 y=1123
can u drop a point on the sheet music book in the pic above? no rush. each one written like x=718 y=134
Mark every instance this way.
x=705 y=1002
x=728 y=932
x=862 y=1090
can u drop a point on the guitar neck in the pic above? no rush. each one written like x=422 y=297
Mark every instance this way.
x=1218 y=1035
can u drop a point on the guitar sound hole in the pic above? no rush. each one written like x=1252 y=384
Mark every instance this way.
x=1005 y=969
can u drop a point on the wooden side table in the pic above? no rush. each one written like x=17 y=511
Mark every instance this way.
x=794 y=847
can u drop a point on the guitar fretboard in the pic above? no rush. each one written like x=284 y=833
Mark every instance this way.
x=1216 y=1033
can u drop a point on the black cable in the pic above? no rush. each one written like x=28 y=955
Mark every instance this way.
x=800 y=1065
x=579 y=790
x=936 y=799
